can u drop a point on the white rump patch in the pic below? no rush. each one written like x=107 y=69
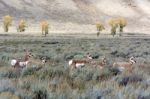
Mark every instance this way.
x=13 y=62
x=70 y=62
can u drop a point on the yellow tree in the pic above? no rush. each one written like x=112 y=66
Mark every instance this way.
x=45 y=27
x=99 y=27
x=114 y=25
x=7 y=21
x=22 y=25
x=122 y=24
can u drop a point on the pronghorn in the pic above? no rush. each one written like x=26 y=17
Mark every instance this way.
x=21 y=63
x=100 y=63
x=44 y=60
x=125 y=65
x=76 y=63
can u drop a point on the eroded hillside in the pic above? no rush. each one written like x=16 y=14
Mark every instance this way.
x=80 y=12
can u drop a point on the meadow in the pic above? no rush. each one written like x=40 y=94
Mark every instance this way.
x=54 y=80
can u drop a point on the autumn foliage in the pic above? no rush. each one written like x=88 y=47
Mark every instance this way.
x=99 y=27
x=7 y=21
x=45 y=27
x=122 y=23
x=116 y=23
x=22 y=25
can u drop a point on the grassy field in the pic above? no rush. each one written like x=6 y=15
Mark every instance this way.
x=56 y=81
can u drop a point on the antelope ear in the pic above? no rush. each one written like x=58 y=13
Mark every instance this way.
x=135 y=61
x=31 y=54
x=88 y=53
x=42 y=58
x=104 y=58
x=132 y=57
x=25 y=50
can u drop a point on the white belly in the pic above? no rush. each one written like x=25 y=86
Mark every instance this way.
x=121 y=69
x=80 y=65
x=23 y=64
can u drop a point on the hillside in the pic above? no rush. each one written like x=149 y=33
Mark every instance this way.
x=80 y=14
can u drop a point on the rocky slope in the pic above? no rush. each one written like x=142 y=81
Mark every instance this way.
x=77 y=14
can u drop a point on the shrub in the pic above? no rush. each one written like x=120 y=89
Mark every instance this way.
x=96 y=93
x=99 y=27
x=22 y=25
x=45 y=27
x=26 y=85
x=105 y=74
x=71 y=55
x=95 y=55
x=79 y=84
x=85 y=74
x=28 y=71
x=7 y=85
x=39 y=93
x=50 y=73
x=8 y=95
x=7 y=72
x=7 y=20
x=3 y=63
x=145 y=95
x=130 y=79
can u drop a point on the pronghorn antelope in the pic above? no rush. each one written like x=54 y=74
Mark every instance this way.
x=21 y=63
x=125 y=65
x=98 y=63
x=44 y=60
x=76 y=63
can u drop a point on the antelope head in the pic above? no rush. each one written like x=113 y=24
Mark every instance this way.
x=104 y=60
x=28 y=55
x=132 y=60
x=88 y=56
x=44 y=60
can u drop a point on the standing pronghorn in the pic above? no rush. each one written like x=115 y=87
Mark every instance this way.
x=125 y=65
x=76 y=63
x=21 y=63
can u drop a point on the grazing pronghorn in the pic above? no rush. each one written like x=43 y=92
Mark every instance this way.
x=21 y=63
x=76 y=63
x=125 y=65
x=100 y=63
x=44 y=60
